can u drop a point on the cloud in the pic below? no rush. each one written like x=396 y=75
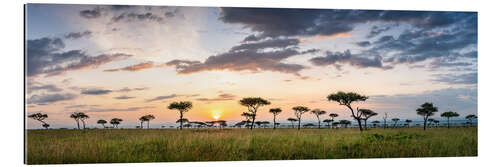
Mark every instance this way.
x=376 y=30
x=363 y=43
x=162 y=98
x=466 y=78
x=126 y=89
x=46 y=56
x=33 y=87
x=275 y=22
x=78 y=35
x=98 y=110
x=129 y=17
x=266 y=55
x=50 y=98
x=133 y=68
x=91 y=13
x=339 y=58
x=123 y=97
x=95 y=91
x=221 y=97
x=81 y=106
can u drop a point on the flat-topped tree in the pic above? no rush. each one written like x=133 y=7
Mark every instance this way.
x=470 y=117
x=253 y=104
x=182 y=107
x=328 y=122
x=375 y=123
x=146 y=118
x=299 y=110
x=292 y=120
x=408 y=122
x=39 y=117
x=333 y=115
x=345 y=122
x=346 y=99
x=115 y=122
x=449 y=115
x=275 y=112
x=76 y=118
x=83 y=117
x=426 y=110
x=367 y=114
x=395 y=120
x=102 y=122
x=317 y=113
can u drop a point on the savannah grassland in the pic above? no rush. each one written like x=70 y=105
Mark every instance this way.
x=163 y=145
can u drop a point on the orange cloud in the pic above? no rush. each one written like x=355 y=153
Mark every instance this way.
x=325 y=37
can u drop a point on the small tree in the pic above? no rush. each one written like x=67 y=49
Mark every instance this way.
x=367 y=114
x=142 y=119
x=148 y=117
x=385 y=120
x=76 y=118
x=299 y=110
x=426 y=110
x=39 y=117
x=115 y=122
x=83 y=117
x=45 y=125
x=102 y=122
x=328 y=122
x=346 y=99
x=449 y=115
x=408 y=122
x=395 y=120
x=333 y=115
x=470 y=118
x=182 y=107
x=185 y=120
x=375 y=123
x=248 y=117
x=431 y=121
x=317 y=113
x=292 y=120
x=253 y=104
x=275 y=112
x=345 y=122
x=436 y=123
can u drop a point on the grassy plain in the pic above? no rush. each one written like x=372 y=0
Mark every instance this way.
x=164 y=145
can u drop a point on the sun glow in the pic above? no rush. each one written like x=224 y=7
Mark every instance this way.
x=216 y=114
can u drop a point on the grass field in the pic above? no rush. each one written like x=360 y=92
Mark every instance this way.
x=161 y=145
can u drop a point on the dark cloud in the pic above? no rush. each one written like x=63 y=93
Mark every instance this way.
x=78 y=35
x=124 y=97
x=133 y=68
x=95 y=91
x=137 y=17
x=46 y=56
x=339 y=58
x=32 y=87
x=221 y=97
x=363 y=43
x=126 y=89
x=376 y=30
x=466 y=79
x=162 y=98
x=259 y=56
x=91 y=13
x=81 y=106
x=275 y=22
x=97 y=110
x=50 y=98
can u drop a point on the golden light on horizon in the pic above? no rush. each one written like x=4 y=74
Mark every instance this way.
x=216 y=114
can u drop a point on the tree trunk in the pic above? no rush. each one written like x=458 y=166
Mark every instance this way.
x=448 y=123
x=253 y=121
x=274 y=121
x=141 y=124
x=319 y=123
x=299 y=123
x=359 y=124
x=365 y=123
x=181 y=121
x=357 y=119
x=104 y=127
x=78 y=124
x=148 y=124
x=425 y=123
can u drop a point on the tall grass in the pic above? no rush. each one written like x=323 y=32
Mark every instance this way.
x=161 y=145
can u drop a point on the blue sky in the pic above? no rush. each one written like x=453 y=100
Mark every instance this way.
x=128 y=61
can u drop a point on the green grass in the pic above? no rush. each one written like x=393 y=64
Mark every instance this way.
x=155 y=145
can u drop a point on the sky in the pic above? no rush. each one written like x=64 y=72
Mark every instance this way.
x=117 y=61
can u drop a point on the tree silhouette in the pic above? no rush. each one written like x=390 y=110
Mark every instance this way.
x=395 y=121
x=83 y=117
x=333 y=115
x=248 y=117
x=375 y=123
x=146 y=118
x=426 y=110
x=346 y=99
x=408 y=122
x=265 y=123
x=436 y=123
x=45 y=125
x=470 y=117
x=345 y=122
x=367 y=114
x=185 y=120
x=275 y=112
x=143 y=119
x=102 y=122
x=385 y=120
x=328 y=122
x=317 y=113
x=449 y=115
x=292 y=120
x=115 y=122
x=299 y=110
x=253 y=104
x=39 y=117
x=430 y=120
x=76 y=118
x=182 y=107
x=222 y=123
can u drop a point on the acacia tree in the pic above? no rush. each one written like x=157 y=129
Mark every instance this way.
x=367 y=114
x=253 y=104
x=395 y=121
x=102 y=122
x=449 y=115
x=275 y=112
x=299 y=110
x=426 y=110
x=408 y=122
x=317 y=113
x=83 y=117
x=328 y=122
x=247 y=116
x=182 y=107
x=375 y=123
x=470 y=117
x=431 y=121
x=115 y=122
x=333 y=115
x=385 y=120
x=346 y=99
x=76 y=118
x=46 y=126
x=39 y=117
x=345 y=122
x=185 y=120
x=143 y=119
x=146 y=118
x=292 y=120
